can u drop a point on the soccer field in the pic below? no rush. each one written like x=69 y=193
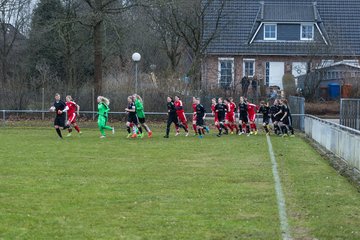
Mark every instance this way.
x=84 y=187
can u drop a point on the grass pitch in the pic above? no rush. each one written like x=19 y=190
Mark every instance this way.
x=178 y=188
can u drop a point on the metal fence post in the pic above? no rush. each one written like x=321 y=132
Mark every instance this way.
x=93 y=103
x=4 y=119
x=43 y=104
x=358 y=115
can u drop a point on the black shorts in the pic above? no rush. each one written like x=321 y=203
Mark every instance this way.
x=60 y=120
x=266 y=120
x=133 y=119
x=200 y=122
x=244 y=118
x=286 y=121
x=142 y=120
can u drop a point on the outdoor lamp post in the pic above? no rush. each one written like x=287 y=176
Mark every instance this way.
x=136 y=57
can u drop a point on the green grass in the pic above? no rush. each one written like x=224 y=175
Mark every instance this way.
x=178 y=188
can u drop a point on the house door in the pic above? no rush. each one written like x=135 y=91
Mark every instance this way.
x=274 y=73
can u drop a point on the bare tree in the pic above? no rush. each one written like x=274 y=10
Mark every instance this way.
x=99 y=10
x=14 y=18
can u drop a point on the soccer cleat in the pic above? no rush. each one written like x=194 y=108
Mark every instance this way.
x=141 y=135
x=186 y=134
x=248 y=135
x=80 y=133
x=177 y=134
x=256 y=132
x=113 y=130
x=251 y=132
x=69 y=135
x=284 y=135
x=241 y=133
x=231 y=132
x=201 y=136
x=150 y=134
x=207 y=129
x=129 y=135
x=292 y=135
x=134 y=135
x=102 y=136
x=166 y=136
x=218 y=135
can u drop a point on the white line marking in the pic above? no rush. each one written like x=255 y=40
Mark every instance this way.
x=279 y=195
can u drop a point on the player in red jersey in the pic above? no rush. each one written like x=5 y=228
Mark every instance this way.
x=194 y=104
x=72 y=113
x=214 y=113
x=181 y=114
x=252 y=110
x=230 y=115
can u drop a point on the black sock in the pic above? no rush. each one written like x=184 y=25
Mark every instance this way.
x=58 y=131
x=70 y=130
x=240 y=128
x=266 y=128
x=128 y=130
x=140 y=130
x=247 y=128
x=199 y=131
x=167 y=131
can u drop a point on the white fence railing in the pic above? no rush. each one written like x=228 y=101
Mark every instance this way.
x=342 y=141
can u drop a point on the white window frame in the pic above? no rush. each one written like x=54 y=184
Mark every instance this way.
x=270 y=38
x=301 y=31
x=232 y=70
x=248 y=60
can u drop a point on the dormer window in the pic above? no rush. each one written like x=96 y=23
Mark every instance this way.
x=307 y=32
x=270 y=31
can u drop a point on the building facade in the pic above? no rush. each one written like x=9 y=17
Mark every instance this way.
x=266 y=39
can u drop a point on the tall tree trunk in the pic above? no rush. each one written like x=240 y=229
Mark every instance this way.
x=98 y=57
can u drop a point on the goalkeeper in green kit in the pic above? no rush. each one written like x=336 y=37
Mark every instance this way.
x=103 y=112
x=140 y=114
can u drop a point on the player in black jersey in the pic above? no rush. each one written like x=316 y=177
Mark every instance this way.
x=200 y=116
x=243 y=117
x=221 y=110
x=60 y=108
x=265 y=110
x=275 y=117
x=285 y=123
x=132 y=118
x=172 y=116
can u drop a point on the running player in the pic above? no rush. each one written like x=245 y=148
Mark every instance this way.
x=228 y=115
x=60 y=109
x=275 y=116
x=252 y=109
x=243 y=117
x=132 y=119
x=103 y=115
x=172 y=117
x=285 y=123
x=214 y=113
x=181 y=115
x=231 y=120
x=141 y=114
x=194 y=104
x=221 y=110
x=265 y=110
x=200 y=116
x=72 y=113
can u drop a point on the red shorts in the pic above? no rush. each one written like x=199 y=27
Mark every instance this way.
x=72 y=118
x=230 y=117
x=182 y=117
x=252 y=117
x=194 y=116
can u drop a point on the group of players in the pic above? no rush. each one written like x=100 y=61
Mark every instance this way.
x=223 y=111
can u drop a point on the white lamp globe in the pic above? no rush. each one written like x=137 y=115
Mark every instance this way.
x=136 y=57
